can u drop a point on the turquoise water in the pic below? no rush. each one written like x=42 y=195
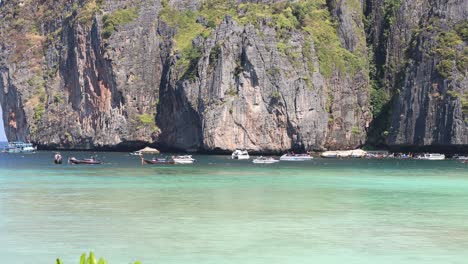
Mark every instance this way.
x=224 y=211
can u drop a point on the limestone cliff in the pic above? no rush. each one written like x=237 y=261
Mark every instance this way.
x=217 y=75
x=428 y=64
x=422 y=62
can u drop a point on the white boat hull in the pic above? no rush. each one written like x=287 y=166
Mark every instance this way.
x=295 y=158
x=183 y=161
x=432 y=157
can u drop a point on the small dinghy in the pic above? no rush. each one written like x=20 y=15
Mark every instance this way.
x=90 y=161
x=265 y=160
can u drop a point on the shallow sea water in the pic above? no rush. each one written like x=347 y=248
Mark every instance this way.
x=223 y=211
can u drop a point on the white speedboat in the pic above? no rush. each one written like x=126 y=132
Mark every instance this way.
x=432 y=156
x=265 y=160
x=295 y=157
x=136 y=153
x=20 y=147
x=240 y=154
x=184 y=159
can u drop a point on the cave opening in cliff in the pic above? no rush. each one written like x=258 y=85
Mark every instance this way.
x=2 y=129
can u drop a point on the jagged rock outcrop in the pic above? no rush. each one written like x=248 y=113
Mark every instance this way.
x=267 y=76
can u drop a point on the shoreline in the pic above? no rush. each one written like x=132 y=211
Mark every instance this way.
x=134 y=146
x=442 y=149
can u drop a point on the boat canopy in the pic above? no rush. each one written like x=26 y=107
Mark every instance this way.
x=149 y=150
x=345 y=153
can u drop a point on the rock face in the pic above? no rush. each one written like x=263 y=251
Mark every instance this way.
x=428 y=54
x=421 y=60
x=267 y=76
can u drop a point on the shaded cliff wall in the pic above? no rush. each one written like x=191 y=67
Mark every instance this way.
x=429 y=58
x=421 y=60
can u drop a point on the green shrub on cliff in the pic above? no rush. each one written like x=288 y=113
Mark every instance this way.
x=39 y=100
x=187 y=28
x=39 y=111
x=462 y=30
x=463 y=100
x=309 y=16
x=91 y=259
x=390 y=9
x=147 y=121
x=447 y=49
x=86 y=14
x=116 y=19
x=379 y=98
x=445 y=67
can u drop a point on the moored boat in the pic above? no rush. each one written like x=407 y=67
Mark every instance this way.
x=295 y=157
x=458 y=157
x=184 y=159
x=20 y=147
x=90 y=161
x=158 y=161
x=265 y=160
x=432 y=156
x=240 y=154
